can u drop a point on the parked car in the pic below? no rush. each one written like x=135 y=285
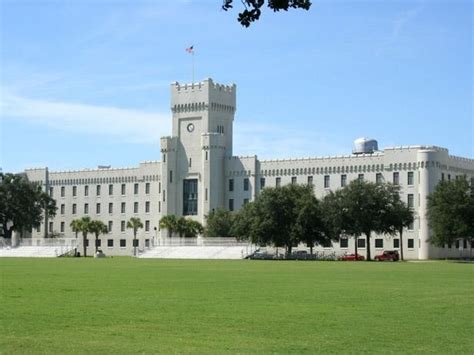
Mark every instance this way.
x=388 y=255
x=351 y=257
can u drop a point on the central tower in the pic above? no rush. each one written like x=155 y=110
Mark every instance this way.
x=192 y=172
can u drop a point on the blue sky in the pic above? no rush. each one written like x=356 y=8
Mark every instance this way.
x=86 y=82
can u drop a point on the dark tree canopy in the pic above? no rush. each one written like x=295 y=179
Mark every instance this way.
x=22 y=204
x=253 y=8
x=218 y=224
x=451 y=211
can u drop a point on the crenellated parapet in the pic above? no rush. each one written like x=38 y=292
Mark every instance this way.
x=168 y=144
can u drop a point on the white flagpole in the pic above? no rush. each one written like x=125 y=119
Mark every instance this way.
x=193 y=66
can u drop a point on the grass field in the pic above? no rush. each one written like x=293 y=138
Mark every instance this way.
x=124 y=305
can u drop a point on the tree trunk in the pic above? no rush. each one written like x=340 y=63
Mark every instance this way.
x=84 y=248
x=134 y=243
x=368 y=245
x=289 y=247
x=96 y=243
x=401 y=243
x=311 y=250
x=470 y=248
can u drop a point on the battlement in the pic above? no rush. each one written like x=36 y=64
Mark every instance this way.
x=202 y=85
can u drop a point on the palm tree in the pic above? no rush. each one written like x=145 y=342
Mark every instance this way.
x=135 y=224
x=75 y=226
x=97 y=228
x=83 y=226
x=169 y=222
x=181 y=226
x=193 y=228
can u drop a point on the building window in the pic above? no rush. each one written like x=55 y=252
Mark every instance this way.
x=164 y=195
x=62 y=227
x=278 y=182
x=147 y=188
x=310 y=180
x=74 y=191
x=343 y=180
x=97 y=190
x=464 y=243
x=159 y=187
x=147 y=243
x=246 y=200
x=449 y=177
x=74 y=208
x=135 y=243
x=111 y=207
x=231 y=184
x=190 y=162
x=38 y=229
x=246 y=184
x=442 y=176
x=262 y=183
x=360 y=177
x=326 y=181
x=86 y=208
x=360 y=243
x=122 y=207
x=410 y=178
x=457 y=244
x=378 y=243
x=190 y=197
x=110 y=243
x=171 y=176
x=147 y=226
x=147 y=207
x=110 y=226
x=396 y=178
x=135 y=189
x=122 y=226
x=123 y=189
x=111 y=189
x=207 y=155
x=378 y=178
x=51 y=225
x=135 y=207
x=123 y=243
x=411 y=226
x=98 y=242
x=410 y=200
x=86 y=190
x=159 y=206
x=63 y=191
x=293 y=180
x=97 y=208
x=231 y=204
x=164 y=157
x=396 y=243
x=63 y=208
x=343 y=242
x=205 y=193
x=87 y=243
x=411 y=243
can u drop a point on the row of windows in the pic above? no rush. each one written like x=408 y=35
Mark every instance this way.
x=122 y=243
x=103 y=180
x=110 y=226
x=379 y=243
x=231 y=203
x=110 y=208
x=98 y=190
x=327 y=180
x=245 y=185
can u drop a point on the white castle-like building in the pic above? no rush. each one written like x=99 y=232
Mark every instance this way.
x=198 y=173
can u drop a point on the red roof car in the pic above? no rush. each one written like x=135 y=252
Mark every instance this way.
x=351 y=257
x=388 y=255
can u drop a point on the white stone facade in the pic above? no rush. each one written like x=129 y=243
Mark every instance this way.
x=198 y=173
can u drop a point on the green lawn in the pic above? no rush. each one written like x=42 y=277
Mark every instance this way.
x=124 y=305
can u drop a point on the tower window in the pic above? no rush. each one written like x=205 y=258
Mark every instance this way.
x=231 y=184
x=246 y=184
x=190 y=197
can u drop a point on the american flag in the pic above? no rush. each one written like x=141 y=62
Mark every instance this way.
x=190 y=50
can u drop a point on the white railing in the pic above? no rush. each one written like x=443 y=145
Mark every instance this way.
x=176 y=241
x=48 y=242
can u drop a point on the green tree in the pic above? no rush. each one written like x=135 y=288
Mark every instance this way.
x=364 y=208
x=218 y=224
x=97 y=228
x=75 y=227
x=135 y=224
x=245 y=224
x=23 y=204
x=169 y=222
x=193 y=229
x=253 y=10
x=83 y=225
x=451 y=212
x=310 y=227
x=181 y=226
x=400 y=217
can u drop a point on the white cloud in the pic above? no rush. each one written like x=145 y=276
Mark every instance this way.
x=133 y=126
